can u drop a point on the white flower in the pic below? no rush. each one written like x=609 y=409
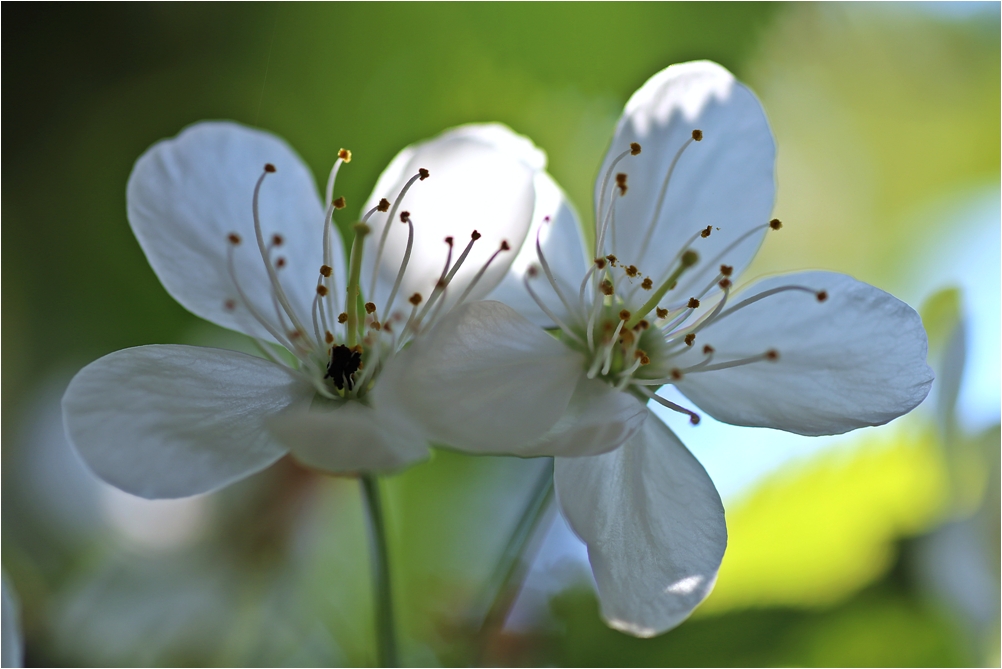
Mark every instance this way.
x=231 y=222
x=683 y=201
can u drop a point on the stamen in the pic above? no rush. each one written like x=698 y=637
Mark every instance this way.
x=339 y=203
x=661 y=198
x=406 y=218
x=633 y=150
x=693 y=303
x=469 y=288
x=688 y=259
x=532 y=273
x=344 y=154
x=775 y=224
x=771 y=355
x=332 y=177
x=706 y=232
x=768 y=293
x=662 y=313
x=693 y=416
x=422 y=175
x=549 y=275
x=647 y=284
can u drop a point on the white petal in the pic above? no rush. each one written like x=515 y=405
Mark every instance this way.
x=483 y=380
x=481 y=179
x=559 y=232
x=654 y=526
x=724 y=181
x=187 y=194
x=349 y=437
x=598 y=419
x=173 y=421
x=13 y=646
x=856 y=359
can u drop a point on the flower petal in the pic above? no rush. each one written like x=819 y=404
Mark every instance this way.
x=559 y=232
x=173 y=421
x=481 y=178
x=724 y=181
x=654 y=526
x=187 y=194
x=346 y=437
x=856 y=359
x=13 y=646
x=598 y=419
x=483 y=380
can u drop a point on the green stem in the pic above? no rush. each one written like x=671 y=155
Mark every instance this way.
x=386 y=643
x=354 y=272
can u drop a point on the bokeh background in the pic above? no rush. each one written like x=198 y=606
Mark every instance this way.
x=876 y=548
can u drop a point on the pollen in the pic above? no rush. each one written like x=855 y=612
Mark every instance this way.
x=277 y=240
x=647 y=284
x=375 y=326
x=384 y=205
x=268 y=167
x=725 y=283
x=631 y=271
x=344 y=154
x=707 y=349
x=822 y=295
x=634 y=149
x=370 y=307
x=600 y=263
x=726 y=270
x=706 y=232
x=697 y=135
x=624 y=315
x=415 y=299
x=612 y=259
x=423 y=174
x=662 y=313
x=775 y=224
x=643 y=324
x=475 y=235
x=772 y=354
x=675 y=374
x=342 y=317
x=606 y=287
x=689 y=258
x=339 y=203
x=322 y=290
x=326 y=270
x=233 y=238
x=690 y=339
x=621 y=183
x=693 y=303
x=328 y=337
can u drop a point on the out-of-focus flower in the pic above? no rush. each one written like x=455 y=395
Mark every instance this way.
x=13 y=647
x=682 y=203
x=230 y=220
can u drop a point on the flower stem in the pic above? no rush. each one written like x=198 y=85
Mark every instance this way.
x=386 y=642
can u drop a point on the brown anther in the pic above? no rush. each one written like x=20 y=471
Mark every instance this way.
x=707 y=349
x=724 y=283
x=694 y=419
x=634 y=149
x=342 y=317
x=326 y=270
x=706 y=232
x=375 y=326
x=280 y=263
x=606 y=287
x=631 y=271
x=612 y=259
x=642 y=325
x=689 y=258
x=645 y=360
x=295 y=334
x=693 y=303
x=726 y=270
x=690 y=339
x=339 y=203
x=233 y=238
x=676 y=374
x=626 y=338
x=423 y=174
x=328 y=337
x=475 y=235
x=822 y=295
x=662 y=313
x=441 y=283
x=405 y=216
x=621 y=183
x=532 y=271
x=344 y=154
x=322 y=290
x=384 y=205
x=504 y=245
x=268 y=167
x=370 y=307
x=449 y=240
x=639 y=353
x=697 y=135
x=624 y=315
x=276 y=240
x=415 y=299
x=775 y=224
x=772 y=354
x=600 y=263
x=647 y=284
x=386 y=327
x=230 y=305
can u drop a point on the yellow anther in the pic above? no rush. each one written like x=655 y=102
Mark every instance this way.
x=344 y=154
x=689 y=258
x=328 y=337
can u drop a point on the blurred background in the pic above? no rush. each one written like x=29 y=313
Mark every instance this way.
x=877 y=548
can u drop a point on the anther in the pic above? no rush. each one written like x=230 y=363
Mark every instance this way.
x=676 y=374
x=822 y=295
x=775 y=224
x=423 y=174
x=342 y=317
x=689 y=258
x=600 y=263
x=662 y=313
x=276 y=240
x=772 y=354
x=475 y=236
x=697 y=135
x=326 y=270
x=532 y=271
x=694 y=418
x=233 y=238
x=706 y=232
x=504 y=245
x=690 y=339
x=361 y=229
x=230 y=305
x=449 y=240
x=612 y=259
x=643 y=324
x=726 y=270
x=369 y=307
x=415 y=299
x=375 y=326
x=405 y=216
x=624 y=315
x=344 y=154
x=631 y=271
x=268 y=167
x=647 y=284
x=621 y=183
x=339 y=203
x=707 y=349
x=328 y=337
x=384 y=205
x=606 y=287
x=322 y=290
x=634 y=149
x=280 y=263
x=693 y=303
x=725 y=283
